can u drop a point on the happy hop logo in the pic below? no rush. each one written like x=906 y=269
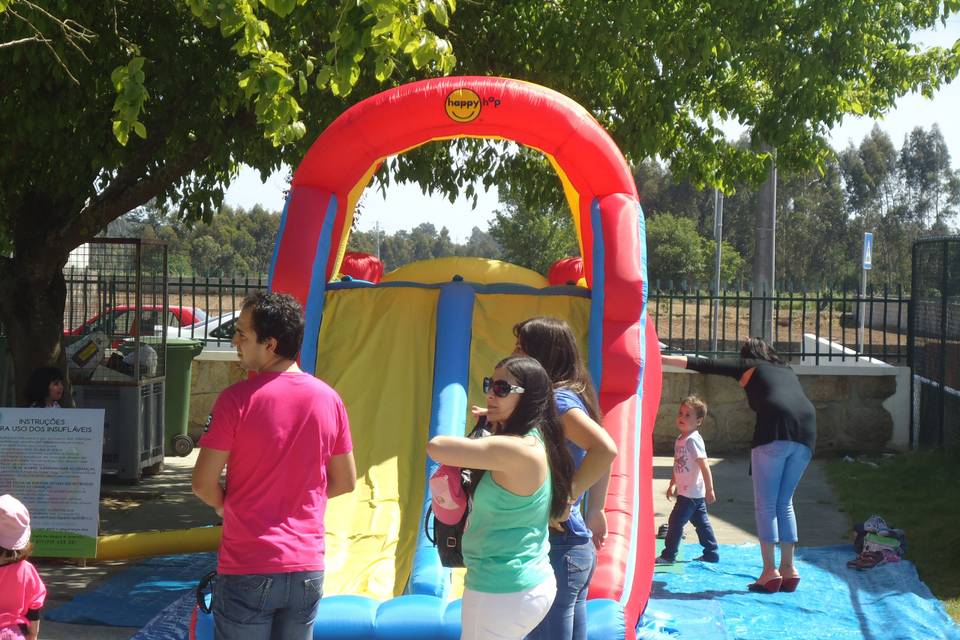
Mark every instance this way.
x=464 y=105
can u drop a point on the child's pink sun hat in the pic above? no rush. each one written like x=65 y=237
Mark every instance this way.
x=14 y=523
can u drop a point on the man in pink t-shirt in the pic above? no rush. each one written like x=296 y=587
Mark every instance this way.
x=284 y=438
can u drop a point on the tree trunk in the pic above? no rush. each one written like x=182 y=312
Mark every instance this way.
x=32 y=298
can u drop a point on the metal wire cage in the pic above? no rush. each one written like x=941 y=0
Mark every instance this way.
x=117 y=313
x=935 y=342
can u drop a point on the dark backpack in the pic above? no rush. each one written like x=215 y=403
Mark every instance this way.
x=444 y=533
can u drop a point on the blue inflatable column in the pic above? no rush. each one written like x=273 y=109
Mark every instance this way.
x=448 y=416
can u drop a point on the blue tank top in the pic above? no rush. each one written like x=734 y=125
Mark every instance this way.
x=576 y=528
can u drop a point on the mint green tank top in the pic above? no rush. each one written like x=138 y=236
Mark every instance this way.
x=506 y=541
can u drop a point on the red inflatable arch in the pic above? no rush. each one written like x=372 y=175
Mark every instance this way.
x=600 y=189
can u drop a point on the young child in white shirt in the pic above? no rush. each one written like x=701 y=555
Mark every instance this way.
x=692 y=484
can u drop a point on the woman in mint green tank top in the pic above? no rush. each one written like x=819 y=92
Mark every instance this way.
x=510 y=584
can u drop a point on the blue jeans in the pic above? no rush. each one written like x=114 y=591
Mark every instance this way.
x=573 y=560
x=693 y=510
x=777 y=469
x=266 y=606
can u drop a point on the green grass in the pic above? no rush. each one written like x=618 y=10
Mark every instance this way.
x=918 y=492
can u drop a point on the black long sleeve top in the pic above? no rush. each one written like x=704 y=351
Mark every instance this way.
x=783 y=410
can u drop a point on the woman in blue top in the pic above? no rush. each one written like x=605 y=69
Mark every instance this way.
x=509 y=585
x=574 y=541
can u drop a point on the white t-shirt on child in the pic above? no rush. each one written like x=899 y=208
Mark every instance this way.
x=687 y=450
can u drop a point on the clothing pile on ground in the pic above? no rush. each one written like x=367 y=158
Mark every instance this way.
x=877 y=543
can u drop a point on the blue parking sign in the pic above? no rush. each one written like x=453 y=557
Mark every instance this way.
x=867 y=250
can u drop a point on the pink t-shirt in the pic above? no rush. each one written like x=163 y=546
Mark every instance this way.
x=281 y=430
x=21 y=589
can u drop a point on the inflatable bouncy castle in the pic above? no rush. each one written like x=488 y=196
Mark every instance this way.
x=408 y=354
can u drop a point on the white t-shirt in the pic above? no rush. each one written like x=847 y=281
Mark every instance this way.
x=687 y=450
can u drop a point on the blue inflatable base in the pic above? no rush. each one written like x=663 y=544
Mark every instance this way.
x=416 y=617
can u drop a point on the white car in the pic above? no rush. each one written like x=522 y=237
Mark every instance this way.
x=214 y=333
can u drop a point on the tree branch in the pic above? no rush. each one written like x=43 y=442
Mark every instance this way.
x=134 y=185
x=13 y=43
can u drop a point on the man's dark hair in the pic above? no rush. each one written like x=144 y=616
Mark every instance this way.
x=279 y=316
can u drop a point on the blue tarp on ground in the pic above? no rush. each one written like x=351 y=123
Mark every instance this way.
x=173 y=623
x=135 y=596
x=711 y=601
x=705 y=601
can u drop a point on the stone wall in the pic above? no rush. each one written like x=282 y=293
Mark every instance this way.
x=211 y=374
x=851 y=414
x=853 y=407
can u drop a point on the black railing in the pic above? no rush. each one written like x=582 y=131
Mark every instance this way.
x=91 y=292
x=820 y=327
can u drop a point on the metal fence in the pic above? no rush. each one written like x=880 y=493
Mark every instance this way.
x=816 y=327
x=819 y=327
x=935 y=343
x=90 y=291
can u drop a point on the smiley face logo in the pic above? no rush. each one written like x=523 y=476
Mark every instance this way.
x=463 y=105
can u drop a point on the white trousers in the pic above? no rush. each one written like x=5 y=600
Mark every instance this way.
x=505 y=616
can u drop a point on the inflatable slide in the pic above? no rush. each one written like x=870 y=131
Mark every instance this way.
x=408 y=354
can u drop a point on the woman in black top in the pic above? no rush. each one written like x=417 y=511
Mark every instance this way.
x=783 y=442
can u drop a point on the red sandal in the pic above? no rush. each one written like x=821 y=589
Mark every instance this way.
x=770 y=586
x=790 y=584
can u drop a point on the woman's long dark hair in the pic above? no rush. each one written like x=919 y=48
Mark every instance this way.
x=758 y=349
x=536 y=409
x=38 y=384
x=550 y=341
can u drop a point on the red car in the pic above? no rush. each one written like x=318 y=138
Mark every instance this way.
x=123 y=321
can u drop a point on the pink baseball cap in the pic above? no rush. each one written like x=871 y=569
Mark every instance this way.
x=14 y=523
x=448 y=499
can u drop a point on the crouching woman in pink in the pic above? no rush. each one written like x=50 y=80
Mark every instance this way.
x=510 y=585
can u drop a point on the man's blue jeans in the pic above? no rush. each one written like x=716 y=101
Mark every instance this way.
x=573 y=560
x=266 y=606
x=693 y=510
x=777 y=469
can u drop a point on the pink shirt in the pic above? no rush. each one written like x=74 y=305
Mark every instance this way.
x=281 y=430
x=21 y=589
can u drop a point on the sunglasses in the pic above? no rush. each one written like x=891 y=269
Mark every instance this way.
x=501 y=388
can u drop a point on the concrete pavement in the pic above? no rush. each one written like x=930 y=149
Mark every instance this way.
x=819 y=520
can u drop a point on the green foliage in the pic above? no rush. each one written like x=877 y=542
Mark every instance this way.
x=224 y=83
x=235 y=242
x=900 y=195
x=534 y=238
x=534 y=227
x=423 y=242
x=131 y=94
x=674 y=252
x=677 y=253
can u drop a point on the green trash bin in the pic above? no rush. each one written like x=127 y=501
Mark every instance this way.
x=176 y=403
x=180 y=355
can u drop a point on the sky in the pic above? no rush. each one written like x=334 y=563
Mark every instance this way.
x=405 y=206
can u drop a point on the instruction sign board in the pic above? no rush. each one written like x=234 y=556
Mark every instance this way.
x=50 y=460
x=867 y=250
